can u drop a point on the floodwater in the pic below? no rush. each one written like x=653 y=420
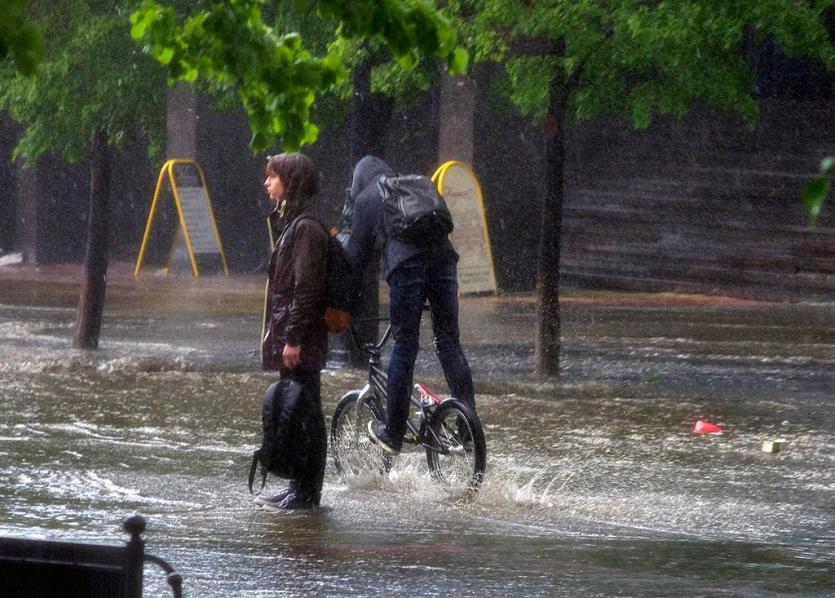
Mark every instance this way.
x=595 y=484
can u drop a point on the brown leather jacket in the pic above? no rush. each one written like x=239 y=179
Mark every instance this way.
x=294 y=302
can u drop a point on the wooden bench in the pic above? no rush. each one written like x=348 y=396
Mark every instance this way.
x=49 y=568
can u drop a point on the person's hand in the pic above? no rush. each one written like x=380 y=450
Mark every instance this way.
x=291 y=356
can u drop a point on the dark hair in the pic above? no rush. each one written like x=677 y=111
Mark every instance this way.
x=298 y=175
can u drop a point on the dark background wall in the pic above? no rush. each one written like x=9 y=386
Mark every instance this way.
x=52 y=209
x=699 y=204
x=703 y=204
x=233 y=177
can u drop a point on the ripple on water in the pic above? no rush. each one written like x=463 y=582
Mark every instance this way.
x=47 y=486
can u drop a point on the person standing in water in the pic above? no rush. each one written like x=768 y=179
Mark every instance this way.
x=295 y=338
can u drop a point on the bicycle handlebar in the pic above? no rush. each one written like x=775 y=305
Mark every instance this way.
x=370 y=348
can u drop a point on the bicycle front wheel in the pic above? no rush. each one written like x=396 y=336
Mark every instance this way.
x=354 y=455
x=456 y=449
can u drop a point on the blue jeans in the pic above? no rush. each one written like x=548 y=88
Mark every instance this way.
x=410 y=286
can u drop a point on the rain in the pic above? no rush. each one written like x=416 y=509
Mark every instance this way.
x=692 y=287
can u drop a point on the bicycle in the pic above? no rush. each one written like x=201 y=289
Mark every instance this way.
x=446 y=429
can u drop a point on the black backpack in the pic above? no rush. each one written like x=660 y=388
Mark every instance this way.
x=278 y=419
x=413 y=210
x=341 y=287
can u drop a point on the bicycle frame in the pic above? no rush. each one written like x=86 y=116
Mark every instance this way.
x=376 y=387
x=377 y=376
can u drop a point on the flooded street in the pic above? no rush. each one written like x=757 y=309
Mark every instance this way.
x=595 y=485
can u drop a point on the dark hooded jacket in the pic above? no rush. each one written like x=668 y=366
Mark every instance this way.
x=294 y=301
x=367 y=234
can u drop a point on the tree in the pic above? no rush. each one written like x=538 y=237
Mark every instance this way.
x=572 y=60
x=20 y=39
x=93 y=89
x=228 y=47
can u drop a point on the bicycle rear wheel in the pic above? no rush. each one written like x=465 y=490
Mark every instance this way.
x=457 y=450
x=354 y=455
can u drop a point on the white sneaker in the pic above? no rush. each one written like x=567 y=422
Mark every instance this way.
x=261 y=500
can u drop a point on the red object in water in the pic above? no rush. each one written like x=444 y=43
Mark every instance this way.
x=703 y=427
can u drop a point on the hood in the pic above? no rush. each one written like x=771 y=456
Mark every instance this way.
x=366 y=172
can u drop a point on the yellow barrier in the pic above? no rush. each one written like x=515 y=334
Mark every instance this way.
x=200 y=217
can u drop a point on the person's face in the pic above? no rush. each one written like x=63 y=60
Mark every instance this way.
x=274 y=187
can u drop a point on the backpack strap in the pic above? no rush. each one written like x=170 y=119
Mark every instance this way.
x=290 y=232
x=301 y=217
x=256 y=457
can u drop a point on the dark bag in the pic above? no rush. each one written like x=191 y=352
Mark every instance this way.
x=341 y=287
x=279 y=416
x=413 y=210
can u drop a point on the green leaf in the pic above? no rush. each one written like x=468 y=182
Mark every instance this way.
x=459 y=61
x=164 y=55
x=311 y=133
x=140 y=20
x=827 y=163
x=814 y=194
x=407 y=61
x=293 y=41
x=260 y=141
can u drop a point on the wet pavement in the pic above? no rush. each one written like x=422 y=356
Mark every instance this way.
x=595 y=484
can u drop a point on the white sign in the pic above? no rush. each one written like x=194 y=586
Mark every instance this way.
x=460 y=188
x=198 y=217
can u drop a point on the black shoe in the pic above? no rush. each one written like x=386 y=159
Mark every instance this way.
x=294 y=501
x=378 y=433
x=262 y=500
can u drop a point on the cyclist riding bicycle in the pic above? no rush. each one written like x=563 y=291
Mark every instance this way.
x=416 y=273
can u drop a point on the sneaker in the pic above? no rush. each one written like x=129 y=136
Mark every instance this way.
x=293 y=501
x=262 y=500
x=379 y=435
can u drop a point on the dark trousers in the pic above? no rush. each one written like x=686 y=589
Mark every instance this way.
x=410 y=286
x=309 y=436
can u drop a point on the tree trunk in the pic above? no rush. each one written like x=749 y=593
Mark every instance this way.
x=370 y=116
x=91 y=300
x=547 y=354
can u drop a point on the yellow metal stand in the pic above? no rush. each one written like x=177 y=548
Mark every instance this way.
x=167 y=169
